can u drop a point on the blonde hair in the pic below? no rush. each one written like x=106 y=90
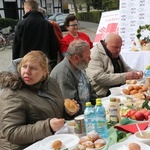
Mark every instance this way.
x=36 y=55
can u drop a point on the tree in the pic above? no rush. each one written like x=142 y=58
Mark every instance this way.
x=97 y=4
x=104 y=4
x=110 y=5
x=75 y=6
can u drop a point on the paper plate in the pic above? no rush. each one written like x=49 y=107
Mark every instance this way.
x=125 y=145
x=127 y=96
x=69 y=141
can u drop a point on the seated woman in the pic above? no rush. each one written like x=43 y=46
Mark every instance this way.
x=71 y=24
x=31 y=103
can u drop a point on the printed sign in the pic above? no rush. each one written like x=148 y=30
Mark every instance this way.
x=108 y=24
x=133 y=13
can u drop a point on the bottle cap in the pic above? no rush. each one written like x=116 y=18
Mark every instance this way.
x=98 y=103
x=88 y=104
x=148 y=67
x=98 y=100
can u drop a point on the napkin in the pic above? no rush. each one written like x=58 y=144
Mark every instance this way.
x=113 y=137
x=129 y=125
x=132 y=128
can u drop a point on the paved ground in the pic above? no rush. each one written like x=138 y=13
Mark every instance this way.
x=87 y=27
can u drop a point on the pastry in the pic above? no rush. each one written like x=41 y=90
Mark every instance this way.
x=93 y=136
x=88 y=144
x=83 y=139
x=99 y=143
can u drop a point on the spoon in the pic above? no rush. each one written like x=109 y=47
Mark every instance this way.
x=139 y=129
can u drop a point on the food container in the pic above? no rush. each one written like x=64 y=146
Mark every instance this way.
x=143 y=139
x=79 y=126
x=71 y=126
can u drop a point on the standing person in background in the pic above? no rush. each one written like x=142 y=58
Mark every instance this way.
x=71 y=24
x=34 y=32
x=57 y=31
x=31 y=103
x=107 y=68
x=71 y=76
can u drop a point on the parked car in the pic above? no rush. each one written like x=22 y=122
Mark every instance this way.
x=53 y=16
x=60 y=19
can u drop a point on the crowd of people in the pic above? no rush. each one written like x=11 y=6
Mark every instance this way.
x=36 y=84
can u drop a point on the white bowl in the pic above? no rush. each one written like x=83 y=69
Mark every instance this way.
x=115 y=90
x=145 y=139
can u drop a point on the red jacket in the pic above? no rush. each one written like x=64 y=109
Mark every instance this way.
x=68 y=38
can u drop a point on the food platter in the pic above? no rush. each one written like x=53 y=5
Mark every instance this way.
x=69 y=141
x=106 y=100
x=124 y=146
x=80 y=147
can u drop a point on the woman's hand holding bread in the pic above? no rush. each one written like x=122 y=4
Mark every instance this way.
x=71 y=106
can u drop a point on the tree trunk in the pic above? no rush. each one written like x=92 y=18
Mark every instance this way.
x=88 y=8
x=75 y=6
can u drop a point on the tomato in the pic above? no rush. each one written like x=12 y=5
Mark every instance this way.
x=144 y=110
x=131 y=113
x=147 y=114
x=139 y=116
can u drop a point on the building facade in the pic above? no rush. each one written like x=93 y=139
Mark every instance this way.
x=14 y=8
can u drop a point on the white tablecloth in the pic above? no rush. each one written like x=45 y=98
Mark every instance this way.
x=105 y=101
x=137 y=60
x=36 y=146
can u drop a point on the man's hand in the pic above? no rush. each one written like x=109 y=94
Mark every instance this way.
x=133 y=75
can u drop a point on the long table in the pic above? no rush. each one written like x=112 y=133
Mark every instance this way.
x=105 y=101
x=137 y=59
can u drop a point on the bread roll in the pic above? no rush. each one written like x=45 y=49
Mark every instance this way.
x=70 y=105
x=133 y=92
x=134 y=146
x=57 y=144
x=126 y=91
x=131 y=81
x=130 y=88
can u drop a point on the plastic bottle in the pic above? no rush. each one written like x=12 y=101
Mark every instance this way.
x=101 y=122
x=114 y=111
x=89 y=117
x=147 y=71
x=147 y=77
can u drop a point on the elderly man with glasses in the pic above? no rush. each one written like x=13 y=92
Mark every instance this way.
x=71 y=24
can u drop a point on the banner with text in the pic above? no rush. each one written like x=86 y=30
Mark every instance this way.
x=134 y=13
x=108 y=24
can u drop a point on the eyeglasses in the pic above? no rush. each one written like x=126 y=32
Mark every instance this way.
x=73 y=25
